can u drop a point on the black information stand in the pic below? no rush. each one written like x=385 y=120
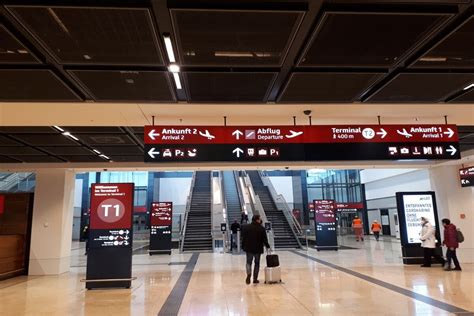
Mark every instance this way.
x=161 y=226
x=109 y=259
x=325 y=224
x=411 y=207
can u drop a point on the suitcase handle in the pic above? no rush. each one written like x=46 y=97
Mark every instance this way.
x=269 y=251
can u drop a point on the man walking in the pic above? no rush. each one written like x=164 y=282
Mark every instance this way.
x=254 y=237
x=376 y=228
x=235 y=227
x=451 y=241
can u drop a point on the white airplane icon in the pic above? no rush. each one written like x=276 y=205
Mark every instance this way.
x=293 y=134
x=404 y=133
x=207 y=135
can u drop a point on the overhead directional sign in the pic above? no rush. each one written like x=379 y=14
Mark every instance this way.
x=300 y=143
x=467 y=177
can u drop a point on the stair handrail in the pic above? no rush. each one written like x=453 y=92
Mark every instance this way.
x=224 y=200
x=186 y=212
x=279 y=200
x=239 y=191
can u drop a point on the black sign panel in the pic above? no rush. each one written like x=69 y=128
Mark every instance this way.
x=301 y=152
x=467 y=177
x=325 y=224
x=161 y=226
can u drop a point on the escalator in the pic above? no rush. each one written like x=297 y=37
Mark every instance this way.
x=284 y=236
x=197 y=236
x=231 y=195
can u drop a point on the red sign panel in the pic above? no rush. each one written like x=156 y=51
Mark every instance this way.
x=2 y=204
x=467 y=177
x=300 y=134
x=161 y=213
x=111 y=205
x=324 y=211
x=350 y=206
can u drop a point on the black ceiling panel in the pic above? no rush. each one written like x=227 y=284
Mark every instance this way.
x=5 y=141
x=121 y=150
x=8 y=151
x=137 y=129
x=120 y=158
x=326 y=87
x=45 y=139
x=95 y=140
x=84 y=35
x=467 y=97
x=26 y=130
x=243 y=38
x=455 y=51
x=44 y=158
x=228 y=87
x=358 y=39
x=12 y=51
x=68 y=150
x=4 y=159
x=33 y=85
x=143 y=86
x=84 y=158
x=411 y=87
x=92 y=129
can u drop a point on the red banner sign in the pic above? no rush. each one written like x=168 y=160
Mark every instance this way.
x=111 y=206
x=300 y=134
x=2 y=204
x=350 y=206
x=161 y=213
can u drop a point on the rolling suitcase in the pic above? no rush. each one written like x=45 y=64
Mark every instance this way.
x=272 y=270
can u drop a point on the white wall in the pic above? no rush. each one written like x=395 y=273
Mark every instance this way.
x=284 y=186
x=386 y=183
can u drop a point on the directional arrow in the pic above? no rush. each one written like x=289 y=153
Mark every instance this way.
x=238 y=152
x=152 y=153
x=127 y=232
x=450 y=132
x=451 y=150
x=237 y=134
x=382 y=132
x=152 y=134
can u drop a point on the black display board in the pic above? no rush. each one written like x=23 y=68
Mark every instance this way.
x=109 y=260
x=160 y=227
x=411 y=207
x=325 y=224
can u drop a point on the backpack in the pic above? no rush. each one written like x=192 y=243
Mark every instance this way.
x=459 y=235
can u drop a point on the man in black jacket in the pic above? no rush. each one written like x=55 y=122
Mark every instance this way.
x=254 y=237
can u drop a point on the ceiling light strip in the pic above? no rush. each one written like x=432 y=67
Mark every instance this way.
x=469 y=86
x=177 y=81
x=169 y=49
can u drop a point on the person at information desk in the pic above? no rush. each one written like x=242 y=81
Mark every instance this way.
x=428 y=243
x=358 y=228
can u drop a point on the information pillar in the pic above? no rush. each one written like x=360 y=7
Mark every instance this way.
x=109 y=260
x=325 y=224
x=161 y=226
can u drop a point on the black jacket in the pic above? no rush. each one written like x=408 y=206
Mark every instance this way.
x=254 y=237
x=235 y=227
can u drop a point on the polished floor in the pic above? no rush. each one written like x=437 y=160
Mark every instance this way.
x=368 y=279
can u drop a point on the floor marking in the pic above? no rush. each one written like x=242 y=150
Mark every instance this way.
x=175 y=299
x=419 y=297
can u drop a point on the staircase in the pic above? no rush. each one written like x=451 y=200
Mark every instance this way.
x=231 y=196
x=198 y=224
x=283 y=235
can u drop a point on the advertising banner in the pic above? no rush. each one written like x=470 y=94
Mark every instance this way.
x=467 y=177
x=110 y=236
x=325 y=224
x=412 y=206
x=161 y=227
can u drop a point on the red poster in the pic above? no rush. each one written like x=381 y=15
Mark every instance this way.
x=300 y=134
x=111 y=205
x=161 y=213
x=2 y=204
x=324 y=211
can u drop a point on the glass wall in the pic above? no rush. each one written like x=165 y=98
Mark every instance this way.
x=340 y=185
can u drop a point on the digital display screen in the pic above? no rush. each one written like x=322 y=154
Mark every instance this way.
x=416 y=207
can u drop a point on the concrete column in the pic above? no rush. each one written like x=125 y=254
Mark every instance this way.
x=453 y=201
x=51 y=234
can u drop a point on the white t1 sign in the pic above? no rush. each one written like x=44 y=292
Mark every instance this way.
x=416 y=207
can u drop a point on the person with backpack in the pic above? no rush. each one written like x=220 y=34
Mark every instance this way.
x=451 y=241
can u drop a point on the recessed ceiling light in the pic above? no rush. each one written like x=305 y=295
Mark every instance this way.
x=22 y=51
x=87 y=57
x=469 y=86
x=177 y=81
x=104 y=156
x=169 y=49
x=97 y=152
x=433 y=59
x=67 y=134
x=58 y=128
x=173 y=68
x=131 y=81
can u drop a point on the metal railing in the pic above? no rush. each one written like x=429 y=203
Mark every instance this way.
x=186 y=212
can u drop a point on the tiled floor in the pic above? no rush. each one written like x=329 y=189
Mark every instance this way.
x=217 y=286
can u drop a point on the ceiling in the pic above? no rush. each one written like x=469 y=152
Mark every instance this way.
x=259 y=51
x=96 y=144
